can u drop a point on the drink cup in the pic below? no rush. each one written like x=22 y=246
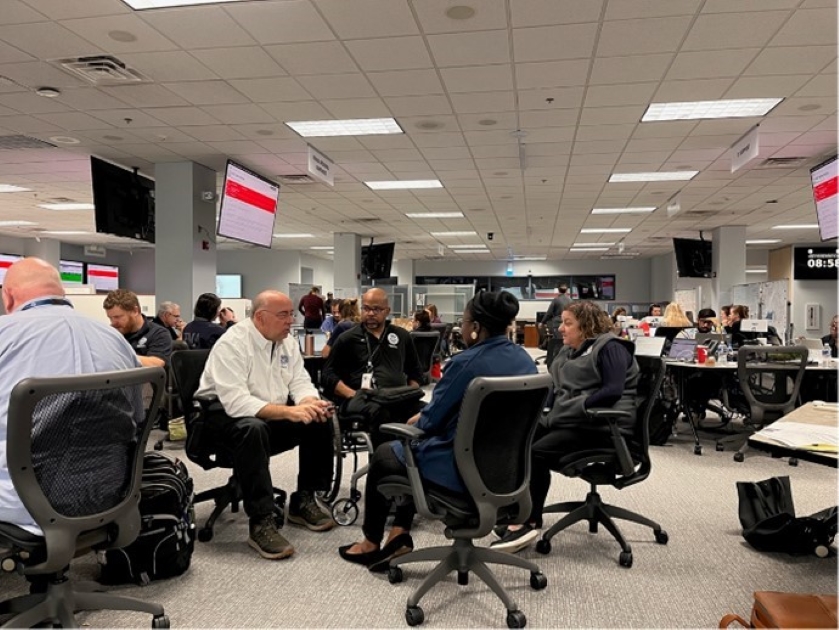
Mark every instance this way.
x=701 y=354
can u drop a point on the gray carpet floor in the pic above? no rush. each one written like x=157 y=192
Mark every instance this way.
x=705 y=571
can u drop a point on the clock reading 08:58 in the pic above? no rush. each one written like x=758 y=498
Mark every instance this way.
x=819 y=263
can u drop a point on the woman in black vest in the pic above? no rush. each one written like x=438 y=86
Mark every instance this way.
x=594 y=368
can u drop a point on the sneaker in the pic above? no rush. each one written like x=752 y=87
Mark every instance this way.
x=516 y=540
x=304 y=510
x=267 y=539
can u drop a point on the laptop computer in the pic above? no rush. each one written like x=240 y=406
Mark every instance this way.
x=812 y=344
x=682 y=350
x=649 y=346
x=754 y=325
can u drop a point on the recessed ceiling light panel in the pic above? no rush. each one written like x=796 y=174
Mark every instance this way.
x=8 y=188
x=404 y=184
x=461 y=233
x=352 y=127
x=605 y=230
x=589 y=249
x=646 y=210
x=434 y=215
x=17 y=223
x=143 y=5
x=763 y=241
x=301 y=235
x=593 y=245
x=66 y=206
x=801 y=226
x=697 y=110
x=666 y=176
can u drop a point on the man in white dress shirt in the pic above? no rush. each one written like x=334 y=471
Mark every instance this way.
x=264 y=403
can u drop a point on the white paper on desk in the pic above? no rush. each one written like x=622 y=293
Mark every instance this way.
x=798 y=434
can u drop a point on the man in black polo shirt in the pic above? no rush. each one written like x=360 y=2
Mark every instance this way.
x=152 y=343
x=373 y=355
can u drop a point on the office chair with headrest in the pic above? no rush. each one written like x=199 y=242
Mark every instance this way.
x=427 y=345
x=498 y=417
x=187 y=367
x=624 y=464
x=75 y=456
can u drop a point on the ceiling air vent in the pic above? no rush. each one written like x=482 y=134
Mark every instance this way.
x=783 y=162
x=295 y=180
x=23 y=142
x=101 y=70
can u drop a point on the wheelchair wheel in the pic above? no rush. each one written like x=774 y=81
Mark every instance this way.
x=345 y=512
x=328 y=496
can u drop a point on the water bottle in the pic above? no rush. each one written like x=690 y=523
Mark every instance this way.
x=825 y=355
x=722 y=354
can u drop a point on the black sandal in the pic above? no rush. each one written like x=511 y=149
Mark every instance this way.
x=366 y=558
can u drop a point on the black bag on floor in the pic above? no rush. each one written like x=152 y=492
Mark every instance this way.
x=167 y=533
x=769 y=523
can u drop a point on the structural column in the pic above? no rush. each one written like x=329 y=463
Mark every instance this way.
x=185 y=233
x=728 y=262
x=44 y=248
x=346 y=264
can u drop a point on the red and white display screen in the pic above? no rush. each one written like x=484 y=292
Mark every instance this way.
x=103 y=277
x=248 y=206
x=6 y=261
x=824 y=181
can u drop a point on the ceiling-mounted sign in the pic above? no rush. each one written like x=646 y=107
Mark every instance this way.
x=321 y=167
x=745 y=149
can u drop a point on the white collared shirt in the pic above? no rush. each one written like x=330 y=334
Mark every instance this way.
x=245 y=371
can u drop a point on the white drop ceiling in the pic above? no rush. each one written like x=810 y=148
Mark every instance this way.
x=575 y=75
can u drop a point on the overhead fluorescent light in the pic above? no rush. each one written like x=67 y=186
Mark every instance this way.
x=8 y=188
x=66 y=206
x=404 y=185
x=664 y=176
x=481 y=246
x=763 y=241
x=353 y=127
x=323 y=247
x=143 y=5
x=605 y=230
x=593 y=245
x=470 y=251
x=589 y=249
x=294 y=235
x=66 y=232
x=517 y=258
x=802 y=226
x=434 y=215
x=16 y=223
x=756 y=270
x=623 y=210
x=455 y=233
x=696 y=110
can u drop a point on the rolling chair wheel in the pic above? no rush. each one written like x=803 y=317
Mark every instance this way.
x=543 y=546
x=538 y=581
x=720 y=447
x=625 y=559
x=205 y=534
x=345 y=512
x=739 y=457
x=697 y=450
x=463 y=578
x=414 y=615
x=516 y=619
x=394 y=576
x=661 y=537
x=793 y=461
x=161 y=621
x=158 y=446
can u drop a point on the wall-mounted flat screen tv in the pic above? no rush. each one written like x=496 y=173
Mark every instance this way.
x=825 y=194
x=124 y=201
x=248 y=206
x=815 y=263
x=693 y=257
x=72 y=273
x=229 y=286
x=376 y=261
x=6 y=261
x=103 y=277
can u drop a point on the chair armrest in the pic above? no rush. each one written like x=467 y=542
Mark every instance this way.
x=611 y=416
x=407 y=431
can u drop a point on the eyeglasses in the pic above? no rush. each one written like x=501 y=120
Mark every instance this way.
x=378 y=310
x=281 y=314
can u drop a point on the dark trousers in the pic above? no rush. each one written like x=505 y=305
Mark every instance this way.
x=251 y=442
x=551 y=445
x=383 y=463
x=370 y=415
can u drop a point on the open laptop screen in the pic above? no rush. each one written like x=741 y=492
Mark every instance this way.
x=682 y=349
x=649 y=346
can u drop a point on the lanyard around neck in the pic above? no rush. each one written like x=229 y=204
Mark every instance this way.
x=48 y=302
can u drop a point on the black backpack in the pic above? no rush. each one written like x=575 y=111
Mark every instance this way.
x=167 y=533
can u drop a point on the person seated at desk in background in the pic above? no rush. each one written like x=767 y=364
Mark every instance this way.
x=421 y=322
x=41 y=335
x=594 y=368
x=251 y=376
x=706 y=320
x=169 y=317
x=202 y=332
x=312 y=308
x=725 y=316
x=373 y=355
x=674 y=317
x=830 y=338
x=654 y=310
x=333 y=319
x=152 y=343
x=350 y=317
x=488 y=353
x=433 y=314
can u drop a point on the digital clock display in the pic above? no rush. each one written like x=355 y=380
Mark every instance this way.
x=816 y=263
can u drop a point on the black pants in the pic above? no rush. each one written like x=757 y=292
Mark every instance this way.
x=372 y=415
x=251 y=442
x=312 y=323
x=383 y=463
x=551 y=445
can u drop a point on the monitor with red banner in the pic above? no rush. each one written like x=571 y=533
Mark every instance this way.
x=248 y=206
x=103 y=277
x=824 y=182
x=6 y=261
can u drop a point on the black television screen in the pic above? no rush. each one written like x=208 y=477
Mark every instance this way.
x=693 y=258
x=376 y=261
x=815 y=263
x=248 y=206
x=824 y=180
x=124 y=201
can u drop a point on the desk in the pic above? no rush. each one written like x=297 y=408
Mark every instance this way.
x=825 y=416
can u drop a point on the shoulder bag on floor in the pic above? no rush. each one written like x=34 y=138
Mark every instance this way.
x=788 y=610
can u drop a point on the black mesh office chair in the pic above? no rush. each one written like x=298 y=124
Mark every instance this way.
x=75 y=454
x=626 y=463
x=427 y=345
x=492 y=450
x=187 y=367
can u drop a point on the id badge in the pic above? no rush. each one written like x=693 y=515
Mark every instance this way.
x=367 y=381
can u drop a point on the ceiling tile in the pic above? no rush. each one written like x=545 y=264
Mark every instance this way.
x=439 y=139
x=174 y=65
x=821 y=85
x=207 y=92
x=733 y=30
x=763 y=87
x=390 y=53
x=300 y=110
x=470 y=49
x=725 y=6
x=145 y=95
x=16 y=12
x=182 y=116
x=46 y=40
x=37 y=74
x=418 y=105
x=215 y=29
x=630 y=69
x=10 y=54
x=31 y=103
x=812 y=27
x=67 y=10
x=259 y=131
x=313 y=58
x=605 y=132
x=479 y=121
x=169 y=135
x=101 y=29
x=239 y=63
x=489 y=15
x=368 y=18
x=611 y=115
x=30 y=124
x=692 y=90
x=551 y=98
x=792 y=60
x=273 y=89
x=793 y=106
x=238 y=114
x=627 y=94
x=117 y=118
x=478 y=78
x=629 y=9
x=545 y=43
x=406 y=82
x=711 y=64
x=280 y=22
x=549 y=118
x=542 y=12
x=357 y=108
x=237 y=147
x=483 y=102
x=72 y=121
x=325 y=86
x=634 y=37
x=551 y=73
